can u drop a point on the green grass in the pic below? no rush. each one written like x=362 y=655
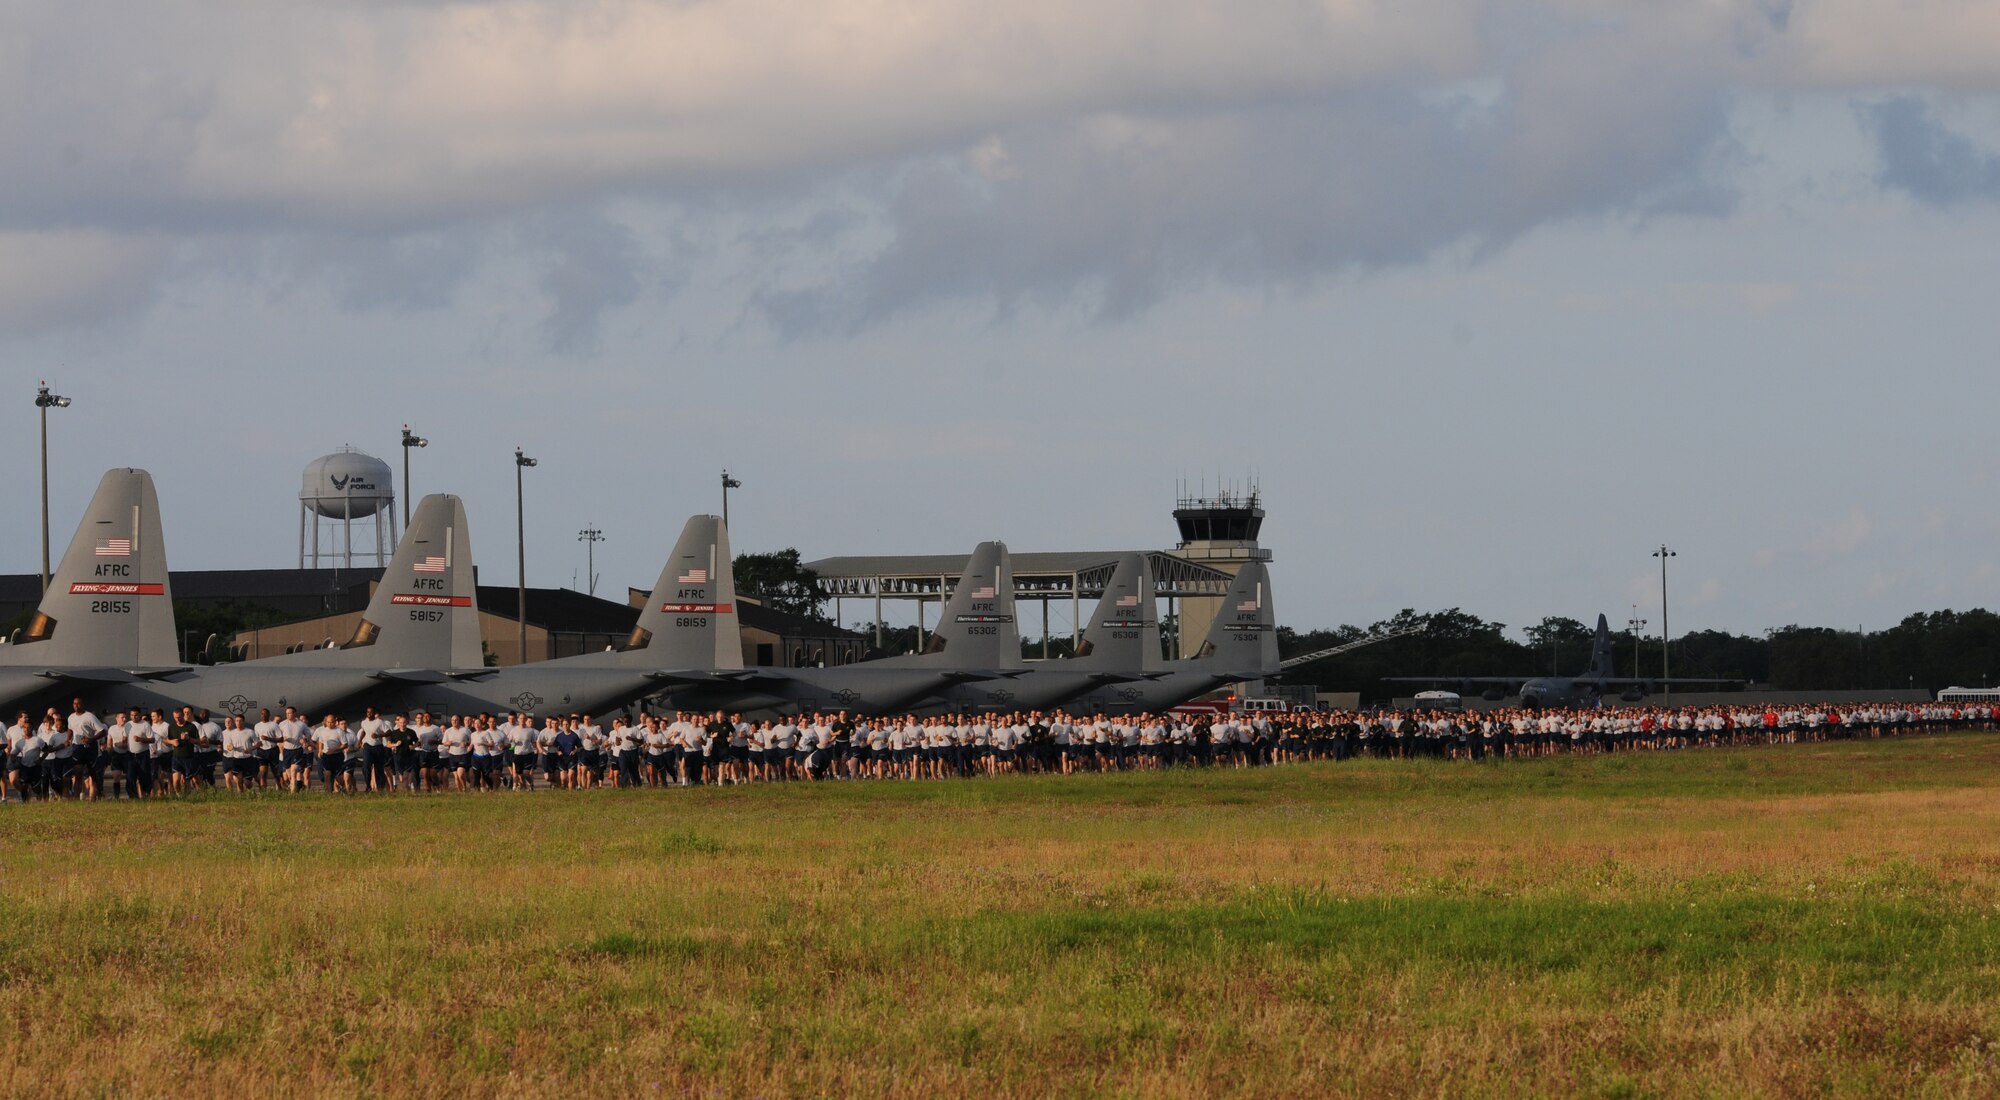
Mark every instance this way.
x=1805 y=920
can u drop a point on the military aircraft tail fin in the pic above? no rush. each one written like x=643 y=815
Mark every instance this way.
x=690 y=621
x=1600 y=652
x=425 y=611
x=1124 y=632
x=109 y=602
x=976 y=628
x=1244 y=636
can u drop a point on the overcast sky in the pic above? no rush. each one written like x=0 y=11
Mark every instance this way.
x=1492 y=298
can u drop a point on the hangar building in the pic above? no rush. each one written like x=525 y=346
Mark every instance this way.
x=1218 y=534
x=310 y=607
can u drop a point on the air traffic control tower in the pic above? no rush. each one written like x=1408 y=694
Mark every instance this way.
x=1220 y=532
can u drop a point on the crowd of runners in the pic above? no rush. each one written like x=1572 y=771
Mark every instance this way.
x=160 y=754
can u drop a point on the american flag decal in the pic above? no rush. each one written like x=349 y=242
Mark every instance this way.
x=114 y=548
x=983 y=592
x=430 y=563
x=697 y=575
x=1249 y=605
x=1128 y=601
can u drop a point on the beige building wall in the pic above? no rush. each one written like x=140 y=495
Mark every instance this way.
x=503 y=643
x=499 y=632
x=270 y=641
x=502 y=635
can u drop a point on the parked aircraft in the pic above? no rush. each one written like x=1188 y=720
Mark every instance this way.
x=1558 y=692
x=1241 y=644
x=679 y=631
x=975 y=640
x=109 y=618
x=107 y=615
x=1121 y=645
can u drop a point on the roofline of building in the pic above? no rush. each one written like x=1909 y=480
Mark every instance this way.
x=1037 y=575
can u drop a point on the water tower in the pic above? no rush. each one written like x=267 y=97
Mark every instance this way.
x=347 y=488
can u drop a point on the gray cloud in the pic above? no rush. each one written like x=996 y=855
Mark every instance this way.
x=1033 y=154
x=1122 y=211
x=1924 y=158
x=591 y=264
x=404 y=273
x=65 y=279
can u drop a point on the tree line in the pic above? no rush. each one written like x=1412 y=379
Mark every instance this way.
x=1927 y=650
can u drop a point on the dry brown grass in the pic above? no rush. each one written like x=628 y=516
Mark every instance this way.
x=1811 y=921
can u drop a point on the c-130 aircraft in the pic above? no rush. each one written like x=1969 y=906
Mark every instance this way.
x=1559 y=692
x=972 y=661
x=975 y=641
x=106 y=628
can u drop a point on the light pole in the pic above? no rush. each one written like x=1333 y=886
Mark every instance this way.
x=1663 y=554
x=410 y=439
x=728 y=483
x=1635 y=624
x=521 y=462
x=44 y=400
x=590 y=537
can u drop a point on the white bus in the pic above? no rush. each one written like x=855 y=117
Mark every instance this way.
x=1969 y=695
x=1439 y=700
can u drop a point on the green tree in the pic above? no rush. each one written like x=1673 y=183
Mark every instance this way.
x=1935 y=649
x=1561 y=641
x=199 y=623
x=1450 y=643
x=897 y=641
x=781 y=582
x=1714 y=653
x=1815 y=658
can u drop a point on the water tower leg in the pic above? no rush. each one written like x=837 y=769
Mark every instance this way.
x=302 y=536
x=346 y=532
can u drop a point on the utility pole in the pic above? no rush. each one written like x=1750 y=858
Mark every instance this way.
x=1665 y=636
x=728 y=483
x=521 y=462
x=590 y=537
x=1636 y=624
x=44 y=400
x=410 y=439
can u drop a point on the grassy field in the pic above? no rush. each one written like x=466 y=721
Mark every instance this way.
x=1810 y=920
